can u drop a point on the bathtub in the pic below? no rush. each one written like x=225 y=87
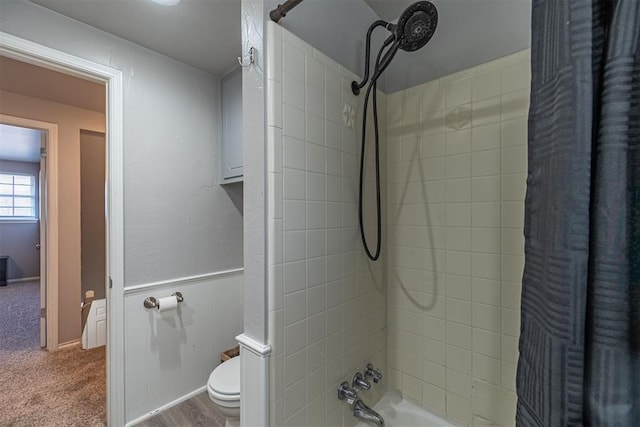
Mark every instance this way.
x=399 y=412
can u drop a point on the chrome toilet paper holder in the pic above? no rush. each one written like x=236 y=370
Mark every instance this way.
x=152 y=302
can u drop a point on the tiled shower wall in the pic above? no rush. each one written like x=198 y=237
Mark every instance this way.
x=456 y=181
x=327 y=305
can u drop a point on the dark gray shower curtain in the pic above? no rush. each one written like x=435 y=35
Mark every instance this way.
x=580 y=336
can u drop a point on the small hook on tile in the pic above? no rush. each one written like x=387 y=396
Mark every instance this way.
x=251 y=58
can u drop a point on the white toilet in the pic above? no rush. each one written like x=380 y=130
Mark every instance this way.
x=224 y=390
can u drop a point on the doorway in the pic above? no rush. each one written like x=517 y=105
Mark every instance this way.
x=23 y=50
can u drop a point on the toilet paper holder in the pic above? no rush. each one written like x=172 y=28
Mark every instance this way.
x=152 y=302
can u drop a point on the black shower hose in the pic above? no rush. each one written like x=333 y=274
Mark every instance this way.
x=379 y=68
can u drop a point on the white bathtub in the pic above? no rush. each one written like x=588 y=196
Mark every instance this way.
x=399 y=412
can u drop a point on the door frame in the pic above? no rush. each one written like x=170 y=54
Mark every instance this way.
x=50 y=208
x=34 y=53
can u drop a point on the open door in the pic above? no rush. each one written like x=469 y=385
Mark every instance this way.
x=42 y=246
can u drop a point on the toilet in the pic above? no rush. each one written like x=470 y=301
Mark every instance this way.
x=224 y=390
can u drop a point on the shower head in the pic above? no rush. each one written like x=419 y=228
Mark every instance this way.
x=414 y=29
x=416 y=26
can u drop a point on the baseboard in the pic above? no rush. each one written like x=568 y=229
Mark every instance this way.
x=167 y=406
x=68 y=344
x=24 y=279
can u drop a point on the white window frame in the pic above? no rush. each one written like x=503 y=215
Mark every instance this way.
x=33 y=197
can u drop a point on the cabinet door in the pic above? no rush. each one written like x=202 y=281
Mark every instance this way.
x=232 y=127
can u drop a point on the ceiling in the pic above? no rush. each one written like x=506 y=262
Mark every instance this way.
x=206 y=33
x=38 y=82
x=19 y=144
x=202 y=33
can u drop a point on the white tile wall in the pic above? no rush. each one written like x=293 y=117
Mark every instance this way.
x=327 y=305
x=456 y=187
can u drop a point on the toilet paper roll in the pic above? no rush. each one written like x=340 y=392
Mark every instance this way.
x=167 y=303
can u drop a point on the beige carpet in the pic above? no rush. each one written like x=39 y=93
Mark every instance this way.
x=40 y=388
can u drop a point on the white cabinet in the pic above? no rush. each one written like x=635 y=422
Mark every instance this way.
x=231 y=147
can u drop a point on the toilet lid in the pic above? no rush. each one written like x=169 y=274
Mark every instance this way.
x=225 y=379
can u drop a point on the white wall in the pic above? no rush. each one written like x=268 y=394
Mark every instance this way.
x=456 y=184
x=327 y=303
x=178 y=221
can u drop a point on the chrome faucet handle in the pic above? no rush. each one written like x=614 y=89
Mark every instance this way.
x=359 y=382
x=373 y=373
x=346 y=392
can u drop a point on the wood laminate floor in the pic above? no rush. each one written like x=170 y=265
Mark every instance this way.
x=196 y=411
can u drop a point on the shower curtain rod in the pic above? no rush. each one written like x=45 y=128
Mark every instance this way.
x=282 y=9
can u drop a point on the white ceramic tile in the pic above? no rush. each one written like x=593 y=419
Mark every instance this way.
x=486 y=189
x=315 y=243
x=294 y=215
x=458 y=190
x=294 y=152
x=458 y=335
x=293 y=122
x=485 y=163
x=333 y=162
x=458 y=142
x=459 y=239
x=512 y=214
x=512 y=268
x=295 y=276
x=274 y=53
x=293 y=59
x=486 y=111
x=459 y=383
x=295 y=307
x=514 y=132
x=514 y=187
x=333 y=135
x=459 y=359
x=294 y=245
x=434 y=145
x=487 y=342
x=433 y=397
x=486 y=85
x=487 y=369
x=315 y=129
x=458 y=166
x=293 y=91
x=515 y=105
x=485 y=137
x=511 y=293
x=458 y=287
x=316 y=273
x=294 y=184
x=295 y=337
x=516 y=77
x=486 y=291
x=294 y=400
x=486 y=214
x=295 y=368
x=457 y=92
x=274 y=110
x=512 y=241
x=315 y=158
x=316 y=187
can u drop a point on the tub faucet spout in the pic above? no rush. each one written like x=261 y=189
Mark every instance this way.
x=364 y=412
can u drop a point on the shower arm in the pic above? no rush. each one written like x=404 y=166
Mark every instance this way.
x=355 y=86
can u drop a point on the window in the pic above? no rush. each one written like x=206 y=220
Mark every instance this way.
x=17 y=196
